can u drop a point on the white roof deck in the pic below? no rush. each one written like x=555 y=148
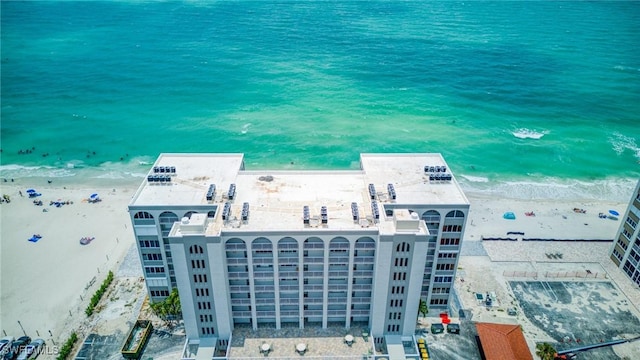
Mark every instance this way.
x=276 y=198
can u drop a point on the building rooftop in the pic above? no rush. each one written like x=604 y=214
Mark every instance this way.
x=276 y=198
x=503 y=341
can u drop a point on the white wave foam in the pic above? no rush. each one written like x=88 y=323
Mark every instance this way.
x=479 y=179
x=621 y=142
x=625 y=68
x=524 y=133
x=11 y=171
x=614 y=189
x=245 y=128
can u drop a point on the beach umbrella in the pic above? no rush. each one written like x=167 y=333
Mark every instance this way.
x=93 y=196
x=613 y=212
x=31 y=190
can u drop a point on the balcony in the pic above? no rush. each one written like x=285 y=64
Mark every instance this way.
x=313 y=287
x=289 y=301
x=361 y=300
x=363 y=273
x=360 y=312
x=238 y=275
x=289 y=287
x=265 y=313
x=288 y=274
x=240 y=301
x=337 y=312
x=259 y=288
x=337 y=300
x=313 y=300
x=366 y=287
x=308 y=274
x=339 y=274
x=236 y=261
x=241 y=314
x=266 y=301
x=263 y=274
x=288 y=260
x=338 y=287
x=239 y=288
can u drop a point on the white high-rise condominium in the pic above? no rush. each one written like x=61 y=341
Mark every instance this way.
x=625 y=251
x=301 y=247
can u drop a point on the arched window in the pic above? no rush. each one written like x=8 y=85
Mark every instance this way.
x=403 y=247
x=196 y=249
x=142 y=215
x=455 y=214
x=143 y=218
x=166 y=220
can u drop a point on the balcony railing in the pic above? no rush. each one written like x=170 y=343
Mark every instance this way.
x=239 y=288
x=313 y=287
x=314 y=274
x=340 y=274
x=238 y=261
x=363 y=273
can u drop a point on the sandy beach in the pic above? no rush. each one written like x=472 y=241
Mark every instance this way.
x=46 y=285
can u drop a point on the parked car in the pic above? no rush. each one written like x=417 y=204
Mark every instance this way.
x=5 y=343
x=16 y=347
x=437 y=328
x=453 y=328
x=32 y=350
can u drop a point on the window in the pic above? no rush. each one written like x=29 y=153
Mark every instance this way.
x=439 y=301
x=195 y=249
x=449 y=241
x=143 y=218
x=154 y=270
x=631 y=222
x=440 y=290
x=152 y=257
x=159 y=292
x=622 y=244
x=617 y=254
x=149 y=243
x=627 y=234
x=447 y=255
x=447 y=267
x=452 y=228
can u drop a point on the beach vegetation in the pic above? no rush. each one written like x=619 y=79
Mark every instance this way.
x=168 y=309
x=423 y=308
x=66 y=348
x=95 y=299
x=545 y=351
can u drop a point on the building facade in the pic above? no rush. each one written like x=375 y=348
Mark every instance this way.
x=625 y=251
x=302 y=248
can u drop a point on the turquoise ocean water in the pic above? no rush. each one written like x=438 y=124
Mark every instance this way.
x=516 y=95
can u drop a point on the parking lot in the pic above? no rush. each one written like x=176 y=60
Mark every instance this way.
x=579 y=313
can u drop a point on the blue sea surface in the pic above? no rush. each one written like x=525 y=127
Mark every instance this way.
x=513 y=94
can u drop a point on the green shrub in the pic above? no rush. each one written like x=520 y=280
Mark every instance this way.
x=95 y=299
x=65 y=350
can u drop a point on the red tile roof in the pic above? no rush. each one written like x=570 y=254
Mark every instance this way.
x=503 y=342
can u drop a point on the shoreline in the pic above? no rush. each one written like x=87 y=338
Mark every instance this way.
x=518 y=187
